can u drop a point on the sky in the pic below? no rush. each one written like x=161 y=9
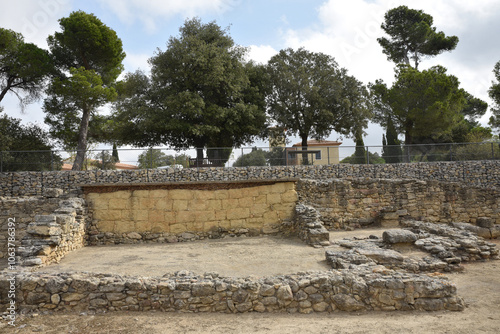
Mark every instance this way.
x=346 y=30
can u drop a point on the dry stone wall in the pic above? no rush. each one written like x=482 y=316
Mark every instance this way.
x=472 y=173
x=176 y=212
x=22 y=211
x=46 y=229
x=332 y=291
x=355 y=203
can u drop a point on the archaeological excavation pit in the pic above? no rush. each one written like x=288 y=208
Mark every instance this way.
x=245 y=246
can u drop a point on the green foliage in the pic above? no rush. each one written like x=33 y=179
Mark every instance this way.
x=359 y=156
x=24 y=67
x=311 y=96
x=257 y=157
x=422 y=104
x=69 y=98
x=103 y=160
x=200 y=93
x=92 y=54
x=87 y=42
x=494 y=93
x=412 y=36
x=114 y=155
x=15 y=138
x=391 y=151
x=154 y=158
x=477 y=151
x=276 y=156
x=354 y=160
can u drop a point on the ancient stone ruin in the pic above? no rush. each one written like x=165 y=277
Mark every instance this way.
x=445 y=223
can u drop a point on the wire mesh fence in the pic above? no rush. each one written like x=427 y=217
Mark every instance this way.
x=166 y=158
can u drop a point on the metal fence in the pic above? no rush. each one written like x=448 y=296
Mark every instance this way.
x=144 y=158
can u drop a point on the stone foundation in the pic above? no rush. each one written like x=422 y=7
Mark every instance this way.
x=336 y=290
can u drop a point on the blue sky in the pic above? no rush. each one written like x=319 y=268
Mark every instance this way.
x=346 y=30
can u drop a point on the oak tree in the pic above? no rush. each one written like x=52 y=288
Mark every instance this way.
x=311 y=96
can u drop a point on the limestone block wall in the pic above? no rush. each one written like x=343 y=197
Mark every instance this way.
x=173 y=212
x=361 y=202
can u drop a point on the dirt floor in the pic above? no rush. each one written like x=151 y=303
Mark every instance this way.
x=478 y=284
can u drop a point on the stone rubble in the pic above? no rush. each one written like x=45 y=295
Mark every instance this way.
x=447 y=248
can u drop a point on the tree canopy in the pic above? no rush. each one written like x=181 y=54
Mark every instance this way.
x=412 y=36
x=24 y=67
x=200 y=94
x=16 y=139
x=311 y=96
x=421 y=104
x=89 y=55
x=494 y=93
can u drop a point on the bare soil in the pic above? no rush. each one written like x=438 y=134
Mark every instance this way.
x=478 y=284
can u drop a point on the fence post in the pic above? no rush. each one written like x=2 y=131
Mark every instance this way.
x=367 y=155
x=51 y=160
x=1 y=161
x=328 y=153
x=492 y=152
x=451 y=152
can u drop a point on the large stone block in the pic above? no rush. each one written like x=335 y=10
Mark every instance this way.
x=124 y=227
x=108 y=214
x=180 y=205
x=185 y=217
x=105 y=226
x=118 y=204
x=399 y=236
x=238 y=213
x=289 y=196
x=181 y=194
x=156 y=216
x=273 y=198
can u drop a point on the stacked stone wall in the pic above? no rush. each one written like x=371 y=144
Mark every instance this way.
x=46 y=228
x=22 y=212
x=472 y=173
x=332 y=291
x=357 y=203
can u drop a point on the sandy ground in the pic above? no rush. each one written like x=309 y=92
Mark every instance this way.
x=479 y=285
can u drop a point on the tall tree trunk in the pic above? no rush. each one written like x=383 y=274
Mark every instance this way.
x=81 y=148
x=305 y=159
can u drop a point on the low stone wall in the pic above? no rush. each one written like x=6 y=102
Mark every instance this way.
x=176 y=212
x=362 y=202
x=335 y=290
x=472 y=173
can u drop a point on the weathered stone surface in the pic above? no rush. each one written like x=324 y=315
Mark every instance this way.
x=382 y=256
x=347 y=303
x=396 y=236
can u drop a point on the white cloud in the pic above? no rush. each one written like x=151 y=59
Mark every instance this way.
x=135 y=61
x=348 y=31
x=150 y=12
x=36 y=20
x=261 y=53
